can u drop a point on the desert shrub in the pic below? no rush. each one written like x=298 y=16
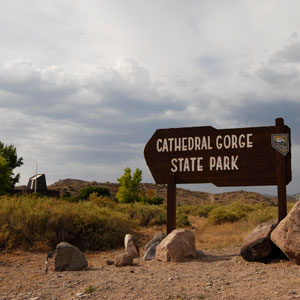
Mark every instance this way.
x=232 y=212
x=204 y=211
x=25 y=221
x=103 y=201
x=152 y=200
x=144 y=214
x=196 y=210
x=187 y=209
x=263 y=214
x=85 y=193
x=71 y=199
x=220 y=215
x=182 y=220
x=242 y=208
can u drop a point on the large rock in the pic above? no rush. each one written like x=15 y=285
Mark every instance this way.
x=123 y=260
x=159 y=236
x=151 y=252
x=286 y=235
x=131 y=246
x=257 y=245
x=177 y=246
x=69 y=258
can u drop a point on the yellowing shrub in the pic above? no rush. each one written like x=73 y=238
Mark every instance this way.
x=25 y=221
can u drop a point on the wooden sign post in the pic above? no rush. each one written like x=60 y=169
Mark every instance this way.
x=224 y=157
x=171 y=204
x=281 y=170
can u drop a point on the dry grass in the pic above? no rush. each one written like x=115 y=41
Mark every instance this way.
x=206 y=236
x=219 y=236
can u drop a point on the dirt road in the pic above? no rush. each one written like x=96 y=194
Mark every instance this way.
x=219 y=275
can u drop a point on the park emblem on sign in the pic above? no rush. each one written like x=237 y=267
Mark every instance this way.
x=280 y=142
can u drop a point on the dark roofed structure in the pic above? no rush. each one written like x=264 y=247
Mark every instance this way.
x=37 y=183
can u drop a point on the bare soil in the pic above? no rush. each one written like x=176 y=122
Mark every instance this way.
x=219 y=275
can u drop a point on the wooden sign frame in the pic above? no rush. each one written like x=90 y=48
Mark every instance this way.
x=226 y=157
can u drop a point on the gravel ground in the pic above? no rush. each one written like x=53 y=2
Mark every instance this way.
x=219 y=275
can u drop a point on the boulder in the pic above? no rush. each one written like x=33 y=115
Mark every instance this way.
x=257 y=245
x=177 y=246
x=131 y=246
x=159 y=236
x=69 y=258
x=123 y=260
x=151 y=251
x=286 y=236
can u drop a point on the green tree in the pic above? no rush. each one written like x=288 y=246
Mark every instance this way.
x=8 y=162
x=128 y=191
x=5 y=175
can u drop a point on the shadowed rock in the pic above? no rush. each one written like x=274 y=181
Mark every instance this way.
x=257 y=245
x=69 y=258
x=151 y=251
x=159 y=236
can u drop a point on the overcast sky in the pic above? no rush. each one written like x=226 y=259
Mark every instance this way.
x=85 y=84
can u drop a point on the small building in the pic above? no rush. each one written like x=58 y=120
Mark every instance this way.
x=298 y=197
x=37 y=183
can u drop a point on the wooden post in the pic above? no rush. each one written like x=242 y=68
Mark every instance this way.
x=281 y=175
x=171 y=204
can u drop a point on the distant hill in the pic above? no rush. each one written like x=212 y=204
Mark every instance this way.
x=184 y=196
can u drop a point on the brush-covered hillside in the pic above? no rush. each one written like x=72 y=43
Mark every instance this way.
x=184 y=196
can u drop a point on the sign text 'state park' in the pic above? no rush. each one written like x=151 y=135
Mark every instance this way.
x=225 y=157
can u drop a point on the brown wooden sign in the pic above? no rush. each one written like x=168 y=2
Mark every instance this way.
x=224 y=157
x=227 y=157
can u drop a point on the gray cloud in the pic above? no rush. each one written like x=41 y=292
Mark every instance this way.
x=290 y=53
x=279 y=75
x=264 y=114
x=84 y=86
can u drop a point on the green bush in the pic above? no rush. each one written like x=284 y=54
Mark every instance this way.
x=153 y=200
x=144 y=214
x=182 y=220
x=28 y=220
x=220 y=215
x=203 y=211
x=196 y=210
x=231 y=213
x=103 y=201
x=242 y=208
x=85 y=193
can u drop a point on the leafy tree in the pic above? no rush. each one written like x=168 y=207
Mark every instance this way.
x=5 y=174
x=128 y=191
x=8 y=162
